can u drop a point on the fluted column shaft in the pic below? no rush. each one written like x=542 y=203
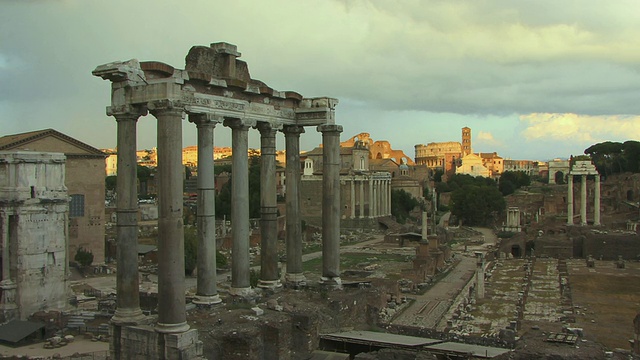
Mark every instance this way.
x=268 y=208
x=331 y=203
x=570 y=200
x=172 y=315
x=596 y=202
x=207 y=288
x=583 y=200
x=127 y=282
x=293 y=225
x=240 y=275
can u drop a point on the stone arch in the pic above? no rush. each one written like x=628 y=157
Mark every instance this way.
x=630 y=195
x=379 y=155
x=559 y=177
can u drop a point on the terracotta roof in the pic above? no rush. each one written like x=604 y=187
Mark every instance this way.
x=9 y=142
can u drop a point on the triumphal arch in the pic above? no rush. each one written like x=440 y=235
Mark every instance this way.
x=214 y=88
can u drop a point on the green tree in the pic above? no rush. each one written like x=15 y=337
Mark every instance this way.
x=401 y=205
x=477 y=205
x=83 y=257
x=190 y=249
x=223 y=199
x=510 y=181
x=607 y=157
x=110 y=182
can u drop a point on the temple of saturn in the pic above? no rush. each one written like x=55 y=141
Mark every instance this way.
x=583 y=169
x=214 y=88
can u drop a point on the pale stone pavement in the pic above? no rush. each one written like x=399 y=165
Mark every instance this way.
x=427 y=309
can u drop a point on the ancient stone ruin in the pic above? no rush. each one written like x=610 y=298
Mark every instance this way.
x=213 y=88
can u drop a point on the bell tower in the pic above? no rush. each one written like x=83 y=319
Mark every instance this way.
x=466 y=141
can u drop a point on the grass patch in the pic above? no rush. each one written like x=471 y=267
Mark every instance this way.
x=351 y=260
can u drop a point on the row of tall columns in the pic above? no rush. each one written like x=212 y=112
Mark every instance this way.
x=583 y=200
x=379 y=197
x=171 y=287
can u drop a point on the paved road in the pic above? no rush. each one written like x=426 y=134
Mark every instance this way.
x=427 y=309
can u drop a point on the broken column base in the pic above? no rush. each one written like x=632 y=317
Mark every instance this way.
x=333 y=282
x=245 y=292
x=144 y=342
x=269 y=284
x=295 y=281
x=205 y=302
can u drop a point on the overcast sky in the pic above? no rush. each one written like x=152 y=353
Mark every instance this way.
x=532 y=79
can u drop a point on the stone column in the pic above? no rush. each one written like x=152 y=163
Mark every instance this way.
x=583 y=200
x=331 y=204
x=207 y=288
x=294 y=275
x=570 y=200
x=362 y=198
x=268 y=208
x=240 y=284
x=389 y=199
x=425 y=226
x=172 y=316
x=127 y=287
x=353 y=197
x=479 y=275
x=375 y=198
x=596 y=202
x=371 y=196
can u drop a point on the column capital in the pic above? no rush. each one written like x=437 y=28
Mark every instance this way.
x=204 y=119
x=239 y=124
x=329 y=128
x=267 y=127
x=294 y=130
x=166 y=106
x=126 y=112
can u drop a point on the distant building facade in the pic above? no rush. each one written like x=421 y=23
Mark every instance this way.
x=84 y=180
x=472 y=164
x=380 y=149
x=365 y=195
x=444 y=156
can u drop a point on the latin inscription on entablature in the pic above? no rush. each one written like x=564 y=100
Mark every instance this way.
x=317 y=117
x=239 y=108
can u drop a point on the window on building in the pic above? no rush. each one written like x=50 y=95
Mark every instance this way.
x=76 y=206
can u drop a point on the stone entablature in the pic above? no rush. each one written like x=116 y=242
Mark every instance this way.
x=219 y=86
